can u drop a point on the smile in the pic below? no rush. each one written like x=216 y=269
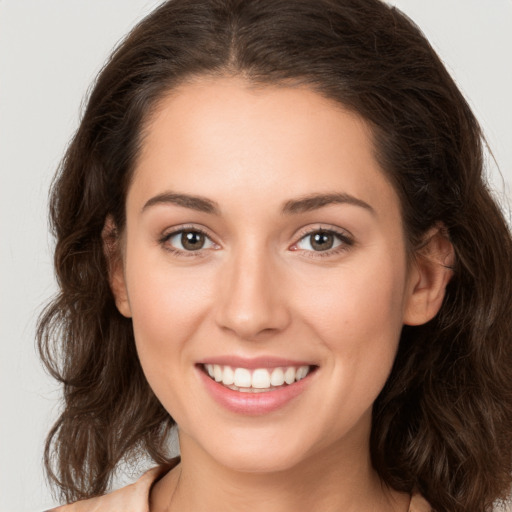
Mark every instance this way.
x=257 y=380
x=255 y=386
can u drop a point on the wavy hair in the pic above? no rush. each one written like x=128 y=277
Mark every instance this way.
x=442 y=425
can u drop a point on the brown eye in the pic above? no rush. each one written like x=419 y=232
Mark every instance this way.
x=322 y=241
x=192 y=240
x=188 y=240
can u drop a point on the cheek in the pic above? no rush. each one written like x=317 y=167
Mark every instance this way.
x=167 y=305
x=356 y=313
x=355 y=316
x=362 y=298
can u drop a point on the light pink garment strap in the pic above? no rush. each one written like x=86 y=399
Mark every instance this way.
x=419 y=504
x=132 y=498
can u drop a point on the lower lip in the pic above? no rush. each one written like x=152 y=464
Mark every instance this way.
x=254 y=403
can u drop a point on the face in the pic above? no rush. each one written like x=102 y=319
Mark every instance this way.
x=263 y=246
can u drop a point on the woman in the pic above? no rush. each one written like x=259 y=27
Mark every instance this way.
x=273 y=232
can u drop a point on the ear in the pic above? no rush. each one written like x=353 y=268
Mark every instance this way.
x=113 y=255
x=430 y=273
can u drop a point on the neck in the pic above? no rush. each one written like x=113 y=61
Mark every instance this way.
x=333 y=479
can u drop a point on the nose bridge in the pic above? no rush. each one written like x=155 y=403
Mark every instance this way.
x=250 y=301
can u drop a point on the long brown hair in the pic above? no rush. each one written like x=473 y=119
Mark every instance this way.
x=443 y=423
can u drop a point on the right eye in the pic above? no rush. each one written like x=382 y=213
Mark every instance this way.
x=188 y=240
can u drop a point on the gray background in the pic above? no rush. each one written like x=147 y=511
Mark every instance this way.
x=50 y=50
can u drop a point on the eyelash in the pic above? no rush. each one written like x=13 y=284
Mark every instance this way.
x=346 y=242
x=344 y=237
x=178 y=252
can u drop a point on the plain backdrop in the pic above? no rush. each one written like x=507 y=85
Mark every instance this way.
x=50 y=51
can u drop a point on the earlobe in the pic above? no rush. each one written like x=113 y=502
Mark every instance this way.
x=433 y=269
x=113 y=255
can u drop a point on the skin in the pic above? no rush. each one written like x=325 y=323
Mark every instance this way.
x=257 y=287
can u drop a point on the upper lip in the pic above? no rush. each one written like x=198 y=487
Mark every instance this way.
x=253 y=362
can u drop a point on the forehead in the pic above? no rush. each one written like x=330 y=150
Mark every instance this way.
x=226 y=139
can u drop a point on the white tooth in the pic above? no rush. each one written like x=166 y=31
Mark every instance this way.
x=301 y=372
x=277 y=377
x=289 y=375
x=209 y=369
x=260 y=378
x=242 y=378
x=217 y=372
x=228 y=377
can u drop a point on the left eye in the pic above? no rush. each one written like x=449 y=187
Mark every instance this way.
x=190 y=240
x=320 y=241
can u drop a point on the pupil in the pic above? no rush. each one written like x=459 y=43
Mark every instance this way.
x=192 y=240
x=322 y=241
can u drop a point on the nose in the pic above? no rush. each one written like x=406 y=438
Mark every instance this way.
x=252 y=299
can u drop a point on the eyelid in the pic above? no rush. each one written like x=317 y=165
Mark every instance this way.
x=175 y=230
x=346 y=238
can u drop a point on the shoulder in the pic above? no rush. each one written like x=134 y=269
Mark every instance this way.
x=132 y=498
x=419 y=504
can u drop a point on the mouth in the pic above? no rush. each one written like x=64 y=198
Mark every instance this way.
x=256 y=380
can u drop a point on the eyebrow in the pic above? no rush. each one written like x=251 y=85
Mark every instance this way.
x=316 y=201
x=293 y=206
x=201 y=204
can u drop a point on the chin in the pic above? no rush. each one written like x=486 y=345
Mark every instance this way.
x=263 y=450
